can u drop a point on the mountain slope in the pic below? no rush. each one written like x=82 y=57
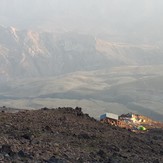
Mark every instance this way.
x=68 y=135
x=28 y=54
x=38 y=68
x=35 y=54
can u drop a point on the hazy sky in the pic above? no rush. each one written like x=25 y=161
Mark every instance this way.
x=128 y=17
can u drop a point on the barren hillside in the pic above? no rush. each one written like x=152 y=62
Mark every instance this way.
x=68 y=135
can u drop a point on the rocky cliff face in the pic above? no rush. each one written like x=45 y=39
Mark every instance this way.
x=36 y=54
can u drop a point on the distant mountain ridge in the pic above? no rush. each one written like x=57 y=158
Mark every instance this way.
x=68 y=69
x=28 y=54
x=35 y=54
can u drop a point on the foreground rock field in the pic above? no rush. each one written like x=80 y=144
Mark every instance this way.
x=67 y=135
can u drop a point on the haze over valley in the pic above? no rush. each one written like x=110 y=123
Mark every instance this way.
x=108 y=61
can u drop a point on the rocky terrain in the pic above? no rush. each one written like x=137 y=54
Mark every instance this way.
x=67 y=135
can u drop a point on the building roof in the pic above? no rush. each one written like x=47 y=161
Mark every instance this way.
x=109 y=115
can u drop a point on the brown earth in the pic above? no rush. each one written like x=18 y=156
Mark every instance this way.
x=67 y=135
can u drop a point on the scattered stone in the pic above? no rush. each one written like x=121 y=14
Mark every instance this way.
x=27 y=136
x=69 y=135
x=6 y=149
x=45 y=108
x=53 y=159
